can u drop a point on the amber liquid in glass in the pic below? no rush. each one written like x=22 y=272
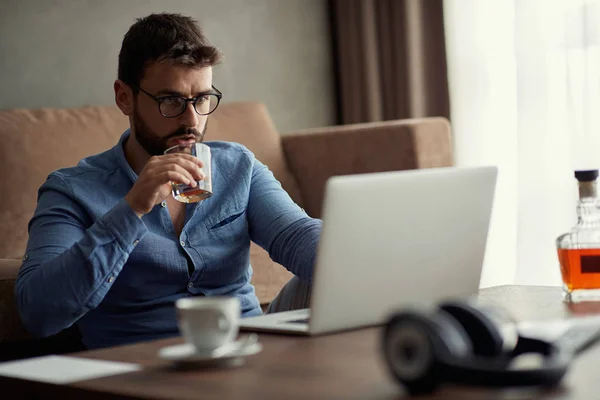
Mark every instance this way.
x=580 y=268
x=192 y=195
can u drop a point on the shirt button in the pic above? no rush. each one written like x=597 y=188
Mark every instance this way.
x=182 y=243
x=163 y=204
x=190 y=285
x=25 y=257
x=135 y=242
x=111 y=279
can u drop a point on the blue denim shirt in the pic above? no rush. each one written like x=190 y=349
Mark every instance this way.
x=91 y=261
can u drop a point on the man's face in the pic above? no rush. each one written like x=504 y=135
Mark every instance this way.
x=156 y=133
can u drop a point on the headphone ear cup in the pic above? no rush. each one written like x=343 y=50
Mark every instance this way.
x=490 y=332
x=414 y=343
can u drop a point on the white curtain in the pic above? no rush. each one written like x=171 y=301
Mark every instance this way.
x=524 y=80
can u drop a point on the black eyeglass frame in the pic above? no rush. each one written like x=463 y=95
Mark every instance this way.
x=193 y=100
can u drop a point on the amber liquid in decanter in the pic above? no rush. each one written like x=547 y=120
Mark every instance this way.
x=580 y=268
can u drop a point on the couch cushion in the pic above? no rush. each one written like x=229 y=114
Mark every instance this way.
x=36 y=142
x=249 y=123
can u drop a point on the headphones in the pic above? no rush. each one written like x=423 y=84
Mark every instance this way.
x=465 y=344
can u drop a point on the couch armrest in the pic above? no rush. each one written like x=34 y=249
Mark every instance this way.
x=9 y=268
x=11 y=327
x=315 y=155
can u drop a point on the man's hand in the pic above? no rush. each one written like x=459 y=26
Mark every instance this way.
x=154 y=182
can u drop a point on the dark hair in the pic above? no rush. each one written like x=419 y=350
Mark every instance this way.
x=163 y=37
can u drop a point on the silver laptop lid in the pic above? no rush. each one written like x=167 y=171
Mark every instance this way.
x=400 y=238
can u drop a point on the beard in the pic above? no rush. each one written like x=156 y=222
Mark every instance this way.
x=153 y=143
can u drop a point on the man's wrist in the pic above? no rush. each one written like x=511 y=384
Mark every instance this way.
x=136 y=212
x=139 y=215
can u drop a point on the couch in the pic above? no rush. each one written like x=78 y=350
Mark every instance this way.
x=36 y=142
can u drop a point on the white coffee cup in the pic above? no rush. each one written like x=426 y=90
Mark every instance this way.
x=208 y=322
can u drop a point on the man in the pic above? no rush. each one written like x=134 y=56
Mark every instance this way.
x=110 y=249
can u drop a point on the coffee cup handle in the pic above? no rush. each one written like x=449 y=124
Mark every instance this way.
x=223 y=322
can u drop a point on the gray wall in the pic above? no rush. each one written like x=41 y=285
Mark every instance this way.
x=63 y=53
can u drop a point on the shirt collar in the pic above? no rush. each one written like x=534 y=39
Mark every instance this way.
x=119 y=154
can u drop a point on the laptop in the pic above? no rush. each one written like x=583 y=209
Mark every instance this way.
x=390 y=240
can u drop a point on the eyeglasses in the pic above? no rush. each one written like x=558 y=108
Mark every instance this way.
x=174 y=106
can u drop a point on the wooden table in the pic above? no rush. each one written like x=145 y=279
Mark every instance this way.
x=338 y=366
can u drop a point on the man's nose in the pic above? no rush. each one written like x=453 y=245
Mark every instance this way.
x=189 y=117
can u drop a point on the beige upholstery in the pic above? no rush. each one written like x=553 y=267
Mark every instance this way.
x=315 y=155
x=36 y=142
x=251 y=125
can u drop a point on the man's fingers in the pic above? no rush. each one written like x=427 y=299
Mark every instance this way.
x=175 y=176
x=158 y=172
x=183 y=156
x=193 y=168
x=191 y=164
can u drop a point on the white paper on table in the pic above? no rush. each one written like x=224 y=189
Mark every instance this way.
x=63 y=369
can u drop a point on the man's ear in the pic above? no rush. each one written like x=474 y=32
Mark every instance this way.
x=124 y=97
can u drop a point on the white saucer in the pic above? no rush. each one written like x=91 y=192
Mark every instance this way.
x=186 y=354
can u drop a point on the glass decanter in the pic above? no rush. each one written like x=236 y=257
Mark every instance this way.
x=579 y=249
